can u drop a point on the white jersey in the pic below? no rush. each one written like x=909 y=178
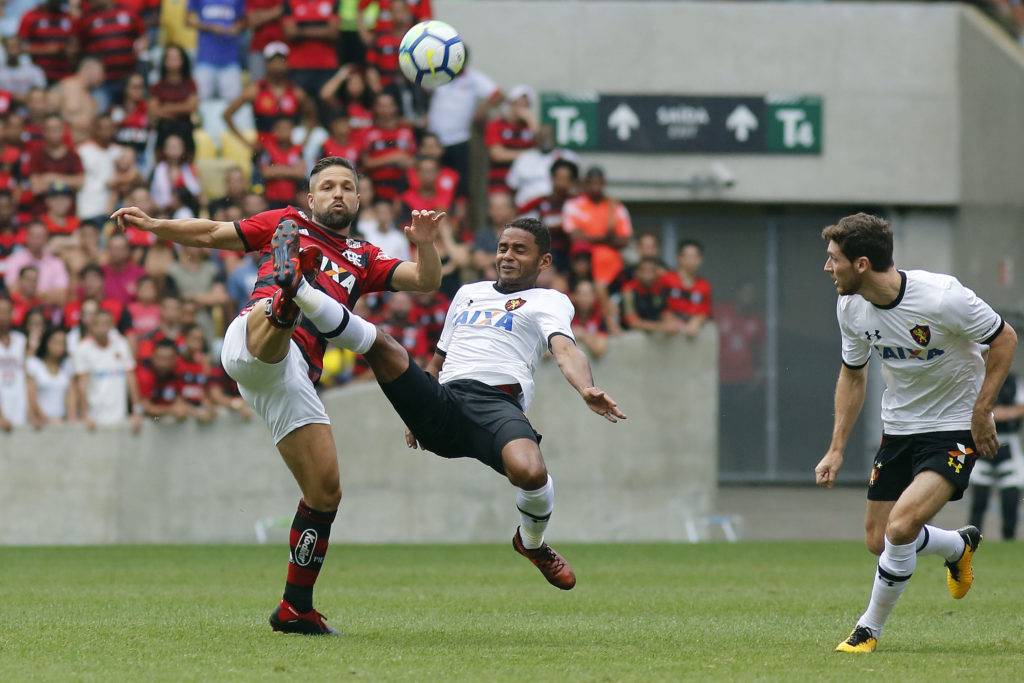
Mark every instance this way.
x=13 y=399
x=498 y=338
x=929 y=341
x=51 y=390
x=107 y=367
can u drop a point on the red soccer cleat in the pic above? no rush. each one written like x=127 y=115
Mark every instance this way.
x=285 y=619
x=552 y=565
x=291 y=264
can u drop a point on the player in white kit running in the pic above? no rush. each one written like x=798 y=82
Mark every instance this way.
x=470 y=401
x=927 y=330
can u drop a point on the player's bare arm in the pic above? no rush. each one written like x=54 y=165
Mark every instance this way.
x=997 y=365
x=576 y=368
x=423 y=275
x=191 y=232
x=850 y=388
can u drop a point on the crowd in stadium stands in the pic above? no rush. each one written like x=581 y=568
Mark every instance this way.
x=218 y=108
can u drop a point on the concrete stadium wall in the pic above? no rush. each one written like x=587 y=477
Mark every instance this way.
x=887 y=72
x=637 y=480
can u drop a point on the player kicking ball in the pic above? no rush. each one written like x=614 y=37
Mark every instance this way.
x=927 y=329
x=470 y=401
x=275 y=354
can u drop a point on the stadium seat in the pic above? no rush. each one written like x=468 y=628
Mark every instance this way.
x=206 y=148
x=211 y=175
x=237 y=150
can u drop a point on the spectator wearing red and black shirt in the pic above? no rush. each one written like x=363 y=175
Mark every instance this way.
x=90 y=281
x=389 y=149
x=311 y=31
x=341 y=144
x=197 y=374
x=114 y=35
x=50 y=38
x=419 y=9
x=509 y=136
x=171 y=328
x=273 y=97
x=588 y=323
x=264 y=18
x=428 y=194
x=382 y=51
x=56 y=162
x=174 y=98
x=160 y=383
x=132 y=118
x=644 y=303
x=59 y=216
x=12 y=233
x=400 y=323
x=282 y=166
x=428 y=312
x=548 y=210
x=689 y=296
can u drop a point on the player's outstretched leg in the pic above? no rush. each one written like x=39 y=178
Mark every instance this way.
x=334 y=320
x=959 y=572
x=535 y=500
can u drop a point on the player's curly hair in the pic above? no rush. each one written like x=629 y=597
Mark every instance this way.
x=863 y=235
x=327 y=162
x=537 y=229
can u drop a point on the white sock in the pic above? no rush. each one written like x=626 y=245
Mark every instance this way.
x=535 y=510
x=342 y=327
x=894 y=569
x=945 y=543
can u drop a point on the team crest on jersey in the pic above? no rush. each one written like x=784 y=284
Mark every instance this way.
x=922 y=334
x=513 y=304
x=353 y=258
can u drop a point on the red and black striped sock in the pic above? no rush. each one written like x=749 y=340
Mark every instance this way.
x=311 y=529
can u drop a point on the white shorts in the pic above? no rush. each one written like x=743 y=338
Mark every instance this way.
x=281 y=393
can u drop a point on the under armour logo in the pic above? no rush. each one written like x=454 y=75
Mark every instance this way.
x=873 y=337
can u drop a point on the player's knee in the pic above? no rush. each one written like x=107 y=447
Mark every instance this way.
x=329 y=498
x=875 y=542
x=902 y=529
x=529 y=473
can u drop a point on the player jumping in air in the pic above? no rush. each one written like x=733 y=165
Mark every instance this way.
x=470 y=400
x=927 y=329
x=304 y=262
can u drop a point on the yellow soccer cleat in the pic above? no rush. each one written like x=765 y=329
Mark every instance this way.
x=860 y=640
x=960 y=574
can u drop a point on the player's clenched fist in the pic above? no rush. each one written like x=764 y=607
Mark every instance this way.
x=826 y=471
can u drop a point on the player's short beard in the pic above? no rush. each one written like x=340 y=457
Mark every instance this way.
x=334 y=221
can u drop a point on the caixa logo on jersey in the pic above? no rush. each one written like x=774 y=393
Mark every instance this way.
x=903 y=353
x=305 y=547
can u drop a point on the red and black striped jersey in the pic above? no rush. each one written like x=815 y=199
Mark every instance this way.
x=507 y=134
x=311 y=53
x=110 y=35
x=268 y=106
x=388 y=180
x=383 y=56
x=350 y=267
x=41 y=29
x=548 y=210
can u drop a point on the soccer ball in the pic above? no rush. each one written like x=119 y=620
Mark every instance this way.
x=431 y=53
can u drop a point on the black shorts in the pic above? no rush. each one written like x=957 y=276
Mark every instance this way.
x=900 y=458
x=459 y=419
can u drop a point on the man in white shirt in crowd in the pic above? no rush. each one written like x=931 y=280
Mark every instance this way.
x=530 y=174
x=105 y=374
x=13 y=400
x=927 y=330
x=99 y=155
x=455 y=108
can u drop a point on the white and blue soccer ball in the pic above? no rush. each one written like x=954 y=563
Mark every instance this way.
x=431 y=53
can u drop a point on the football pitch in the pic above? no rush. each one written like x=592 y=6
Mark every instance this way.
x=640 y=612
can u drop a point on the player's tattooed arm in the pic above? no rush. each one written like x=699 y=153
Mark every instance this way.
x=576 y=368
x=191 y=232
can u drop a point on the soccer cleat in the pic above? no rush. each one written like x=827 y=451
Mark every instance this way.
x=860 y=640
x=285 y=619
x=291 y=264
x=960 y=574
x=552 y=565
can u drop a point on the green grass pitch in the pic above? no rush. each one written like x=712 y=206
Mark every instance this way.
x=640 y=612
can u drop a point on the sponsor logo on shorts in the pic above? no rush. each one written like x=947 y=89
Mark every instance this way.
x=513 y=304
x=922 y=334
x=958 y=458
x=304 y=548
x=874 y=474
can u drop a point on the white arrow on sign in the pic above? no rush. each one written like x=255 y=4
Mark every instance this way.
x=623 y=120
x=741 y=121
